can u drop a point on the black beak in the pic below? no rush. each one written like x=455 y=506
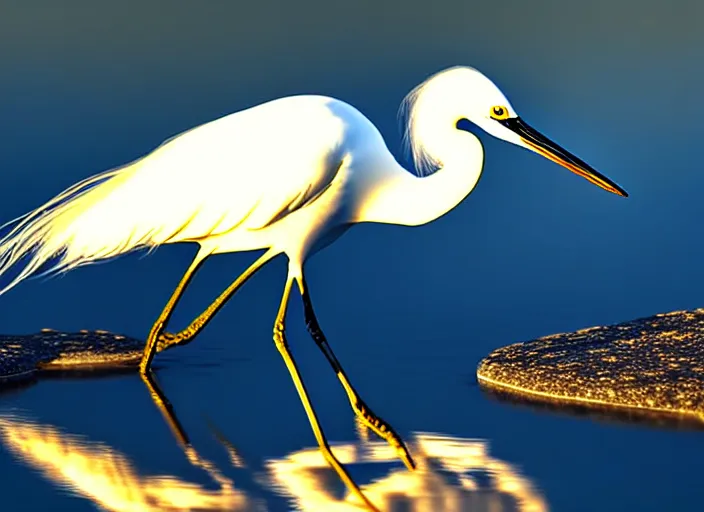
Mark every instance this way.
x=547 y=148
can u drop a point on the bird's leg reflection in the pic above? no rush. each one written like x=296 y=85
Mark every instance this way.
x=167 y=411
x=232 y=452
x=361 y=409
x=167 y=340
x=282 y=346
x=165 y=407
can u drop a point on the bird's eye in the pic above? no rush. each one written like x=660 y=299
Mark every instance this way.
x=499 y=113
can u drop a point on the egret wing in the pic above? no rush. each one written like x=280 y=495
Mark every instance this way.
x=247 y=170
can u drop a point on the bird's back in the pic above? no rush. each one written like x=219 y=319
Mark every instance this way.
x=248 y=168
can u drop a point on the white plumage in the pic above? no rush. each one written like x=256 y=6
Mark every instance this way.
x=232 y=177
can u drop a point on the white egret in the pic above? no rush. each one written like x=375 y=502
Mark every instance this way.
x=288 y=176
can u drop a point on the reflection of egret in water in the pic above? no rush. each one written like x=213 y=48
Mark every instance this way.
x=453 y=474
x=105 y=476
x=446 y=480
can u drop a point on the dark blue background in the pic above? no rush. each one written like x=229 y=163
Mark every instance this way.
x=534 y=250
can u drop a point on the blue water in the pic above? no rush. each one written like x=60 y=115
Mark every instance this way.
x=410 y=312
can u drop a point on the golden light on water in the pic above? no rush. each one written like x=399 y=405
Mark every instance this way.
x=654 y=364
x=443 y=481
x=106 y=477
x=446 y=478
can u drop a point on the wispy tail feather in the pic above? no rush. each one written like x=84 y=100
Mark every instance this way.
x=41 y=239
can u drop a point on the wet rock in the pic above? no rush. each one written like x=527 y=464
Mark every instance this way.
x=22 y=355
x=653 y=364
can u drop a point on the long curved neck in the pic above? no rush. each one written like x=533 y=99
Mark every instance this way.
x=399 y=197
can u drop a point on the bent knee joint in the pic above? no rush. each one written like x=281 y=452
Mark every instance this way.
x=279 y=336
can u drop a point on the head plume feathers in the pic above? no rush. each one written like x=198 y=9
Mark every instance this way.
x=424 y=162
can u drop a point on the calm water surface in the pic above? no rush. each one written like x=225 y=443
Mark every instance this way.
x=410 y=312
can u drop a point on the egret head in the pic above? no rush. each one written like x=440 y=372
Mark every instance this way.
x=492 y=112
x=465 y=93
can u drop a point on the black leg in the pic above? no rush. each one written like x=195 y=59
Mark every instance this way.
x=361 y=409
